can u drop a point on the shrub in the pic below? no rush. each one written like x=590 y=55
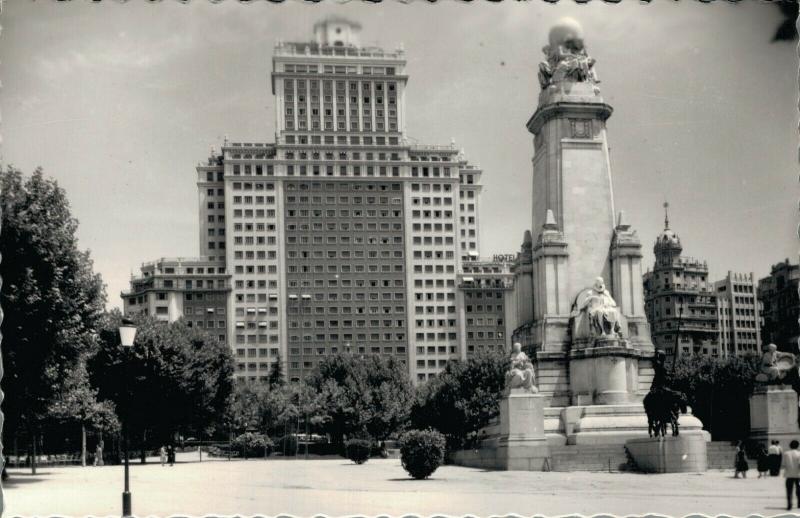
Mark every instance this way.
x=252 y=444
x=358 y=450
x=421 y=452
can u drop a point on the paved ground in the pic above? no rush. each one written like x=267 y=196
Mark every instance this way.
x=337 y=487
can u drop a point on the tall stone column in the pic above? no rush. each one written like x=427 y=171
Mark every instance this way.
x=571 y=177
x=590 y=338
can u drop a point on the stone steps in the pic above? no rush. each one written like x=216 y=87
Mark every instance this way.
x=588 y=458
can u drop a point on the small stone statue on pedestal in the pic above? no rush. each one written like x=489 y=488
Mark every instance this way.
x=520 y=376
x=776 y=367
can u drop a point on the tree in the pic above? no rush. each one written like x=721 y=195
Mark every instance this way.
x=246 y=407
x=463 y=398
x=369 y=395
x=78 y=404
x=718 y=390
x=276 y=373
x=174 y=379
x=52 y=299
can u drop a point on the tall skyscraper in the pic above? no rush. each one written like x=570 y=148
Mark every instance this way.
x=680 y=301
x=340 y=235
x=739 y=314
x=778 y=292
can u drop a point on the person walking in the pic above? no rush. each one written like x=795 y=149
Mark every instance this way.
x=98 y=454
x=791 y=472
x=740 y=464
x=171 y=455
x=763 y=462
x=162 y=453
x=775 y=453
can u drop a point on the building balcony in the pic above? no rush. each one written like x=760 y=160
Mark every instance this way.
x=314 y=49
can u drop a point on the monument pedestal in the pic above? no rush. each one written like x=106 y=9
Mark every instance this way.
x=518 y=442
x=605 y=373
x=685 y=453
x=773 y=414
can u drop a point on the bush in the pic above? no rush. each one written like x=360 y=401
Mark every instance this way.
x=252 y=444
x=287 y=445
x=358 y=450
x=421 y=452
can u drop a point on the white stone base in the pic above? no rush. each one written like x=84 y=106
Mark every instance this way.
x=773 y=415
x=685 y=453
x=520 y=443
x=605 y=424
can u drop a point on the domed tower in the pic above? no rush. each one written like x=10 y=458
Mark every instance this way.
x=667 y=248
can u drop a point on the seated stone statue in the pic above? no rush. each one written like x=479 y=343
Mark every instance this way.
x=601 y=310
x=520 y=374
x=775 y=365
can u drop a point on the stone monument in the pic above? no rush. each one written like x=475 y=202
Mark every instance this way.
x=517 y=440
x=588 y=326
x=774 y=403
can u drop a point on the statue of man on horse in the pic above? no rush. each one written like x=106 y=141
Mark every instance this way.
x=662 y=404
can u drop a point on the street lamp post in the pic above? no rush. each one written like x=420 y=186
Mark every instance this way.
x=127 y=333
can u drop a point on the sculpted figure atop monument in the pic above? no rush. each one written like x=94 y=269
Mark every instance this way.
x=520 y=375
x=601 y=309
x=565 y=56
x=775 y=366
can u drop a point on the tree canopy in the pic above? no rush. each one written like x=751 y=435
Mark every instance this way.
x=463 y=398
x=718 y=390
x=51 y=297
x=369 y=395
x=174 y=378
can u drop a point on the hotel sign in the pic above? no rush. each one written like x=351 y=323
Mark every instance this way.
x=504 y=258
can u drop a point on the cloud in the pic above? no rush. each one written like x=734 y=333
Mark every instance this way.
x=121 y=54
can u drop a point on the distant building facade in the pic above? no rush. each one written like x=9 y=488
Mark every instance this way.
x=194 y=289
x=680 y=301
x=778 y=293
x=486 y=305
x=739 y=314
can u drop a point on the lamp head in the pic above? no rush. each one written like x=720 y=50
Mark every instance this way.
x=127 y=332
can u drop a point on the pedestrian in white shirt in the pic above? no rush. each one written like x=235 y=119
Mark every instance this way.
x=791 y=472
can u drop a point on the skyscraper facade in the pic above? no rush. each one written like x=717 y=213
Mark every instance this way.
x=340 y=235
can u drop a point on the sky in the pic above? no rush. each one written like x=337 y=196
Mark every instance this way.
x=119 y=102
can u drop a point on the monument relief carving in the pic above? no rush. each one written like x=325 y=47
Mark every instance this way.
x=581 y=128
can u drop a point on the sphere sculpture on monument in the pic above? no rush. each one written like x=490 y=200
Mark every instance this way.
x=520 y=376
x=566 y=57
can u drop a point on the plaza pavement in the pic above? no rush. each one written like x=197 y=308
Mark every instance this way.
x=337 y=487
